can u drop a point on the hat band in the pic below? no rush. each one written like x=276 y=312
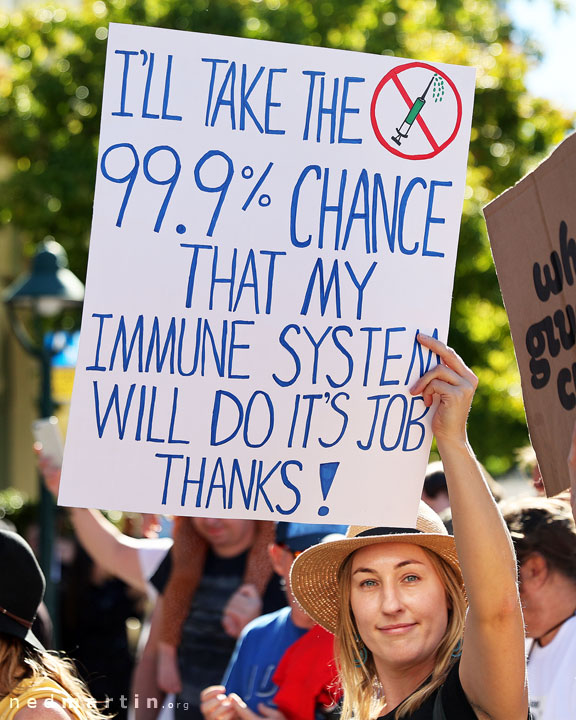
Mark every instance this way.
x=27 y=624
x=388 y=531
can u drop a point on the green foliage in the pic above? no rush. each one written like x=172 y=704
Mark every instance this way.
x=17 y=510
x=51 y=87
x=11 y=503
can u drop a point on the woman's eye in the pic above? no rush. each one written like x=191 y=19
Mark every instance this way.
x=411 y=578
x=368 y=583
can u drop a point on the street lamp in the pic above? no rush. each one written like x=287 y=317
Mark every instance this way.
x=42 y=294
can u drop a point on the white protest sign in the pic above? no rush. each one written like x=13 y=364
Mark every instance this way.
x=273 y=224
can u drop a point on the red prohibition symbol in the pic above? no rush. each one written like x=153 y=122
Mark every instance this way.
x=412 y=104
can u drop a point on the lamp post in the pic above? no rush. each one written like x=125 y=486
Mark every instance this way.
x=42 y=294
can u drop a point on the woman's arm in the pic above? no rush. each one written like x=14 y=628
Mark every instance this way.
x=114 y=551
x=492 y=668
x=117 y=553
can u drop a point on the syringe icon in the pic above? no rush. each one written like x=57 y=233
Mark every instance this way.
x=415 y=110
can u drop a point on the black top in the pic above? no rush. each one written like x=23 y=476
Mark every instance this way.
x=274 y=597
x=454 y=702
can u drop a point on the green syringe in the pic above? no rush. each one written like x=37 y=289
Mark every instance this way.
x=413 y=113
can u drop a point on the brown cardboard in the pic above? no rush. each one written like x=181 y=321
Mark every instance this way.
x=525 y=228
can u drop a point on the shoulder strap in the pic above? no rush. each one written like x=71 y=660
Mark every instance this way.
x=438 y=710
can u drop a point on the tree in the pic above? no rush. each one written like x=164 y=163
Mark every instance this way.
x=50 y=93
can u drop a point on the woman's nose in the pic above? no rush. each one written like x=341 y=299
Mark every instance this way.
x=391 y=602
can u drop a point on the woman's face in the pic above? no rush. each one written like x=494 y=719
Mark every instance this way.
x=400 y=604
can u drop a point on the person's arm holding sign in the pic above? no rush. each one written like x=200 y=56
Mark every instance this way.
x=116 y=552
x=492 y=666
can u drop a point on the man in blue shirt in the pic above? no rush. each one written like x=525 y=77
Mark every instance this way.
x=248 y=678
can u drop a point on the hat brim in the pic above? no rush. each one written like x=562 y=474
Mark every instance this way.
x=314 y=573
x=11 y=627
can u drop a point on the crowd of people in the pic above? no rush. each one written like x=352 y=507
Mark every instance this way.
x=292 y=621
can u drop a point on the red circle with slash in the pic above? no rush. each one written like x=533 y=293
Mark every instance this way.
x=392 y=76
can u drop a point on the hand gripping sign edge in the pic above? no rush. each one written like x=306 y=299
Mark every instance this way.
x=391 y=75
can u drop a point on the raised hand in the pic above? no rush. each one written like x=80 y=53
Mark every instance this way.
x=453 y=383
x=50 y=472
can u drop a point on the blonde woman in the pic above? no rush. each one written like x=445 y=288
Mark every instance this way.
x=429 y=626
x=34 y=684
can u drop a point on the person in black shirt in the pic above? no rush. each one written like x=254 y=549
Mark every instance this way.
x=205 y=647
x=410 y=645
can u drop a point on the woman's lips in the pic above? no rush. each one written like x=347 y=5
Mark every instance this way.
x=397 y=629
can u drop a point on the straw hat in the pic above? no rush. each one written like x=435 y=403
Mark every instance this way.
x=314 y=574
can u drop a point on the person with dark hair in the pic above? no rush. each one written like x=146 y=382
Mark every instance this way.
x=435 y=489
x=544 y=536
x=33 y=682
x=428 y=626
x=205 y=646
x=189 y=554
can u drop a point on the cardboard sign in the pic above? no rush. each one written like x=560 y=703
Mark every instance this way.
x=532 y=229
x=273 y=225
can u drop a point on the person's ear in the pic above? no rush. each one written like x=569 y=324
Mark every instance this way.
x=534 y=570
x=276 y=554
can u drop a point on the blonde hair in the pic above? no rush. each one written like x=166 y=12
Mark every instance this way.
x=20 y=661
x=362 y=690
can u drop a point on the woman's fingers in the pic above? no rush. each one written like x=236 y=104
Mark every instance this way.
x=453 y=383
x=438 y=372
x=445 y=391
x=449 y=357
